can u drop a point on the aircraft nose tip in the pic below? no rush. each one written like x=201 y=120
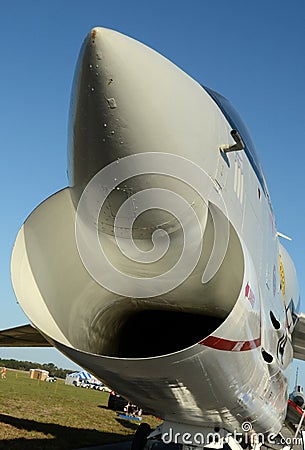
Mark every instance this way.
x=97 y=35
x=94 y=32
x=97 y=32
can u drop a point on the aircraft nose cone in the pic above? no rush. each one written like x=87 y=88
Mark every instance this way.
x=109 y=96
x=128 y=99
x=94 y=121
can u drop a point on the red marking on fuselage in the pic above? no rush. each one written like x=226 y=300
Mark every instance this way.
x=249 y=294
x=219 y=343
x=230 y=346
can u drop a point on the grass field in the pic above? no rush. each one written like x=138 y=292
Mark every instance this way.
x=52 y=416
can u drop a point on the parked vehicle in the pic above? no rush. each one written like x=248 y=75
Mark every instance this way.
x=91 y=385
x=51 y=379
x=116 y=402
x=104 y=388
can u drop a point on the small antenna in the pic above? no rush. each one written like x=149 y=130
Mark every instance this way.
x=284 y=236
x=296 y=376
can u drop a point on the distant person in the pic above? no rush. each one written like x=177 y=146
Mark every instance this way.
x=3 y=373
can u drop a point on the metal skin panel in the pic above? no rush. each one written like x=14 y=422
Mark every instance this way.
x=128 y=100
x=299 y=338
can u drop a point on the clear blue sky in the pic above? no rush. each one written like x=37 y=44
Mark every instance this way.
x=251 y=52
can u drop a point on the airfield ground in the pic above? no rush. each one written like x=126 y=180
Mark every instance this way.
x=36 y=415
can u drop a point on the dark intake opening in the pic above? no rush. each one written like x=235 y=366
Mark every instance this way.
x=154 y=333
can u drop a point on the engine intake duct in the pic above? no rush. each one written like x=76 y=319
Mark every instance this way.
x=69 y=306
x=157 y=332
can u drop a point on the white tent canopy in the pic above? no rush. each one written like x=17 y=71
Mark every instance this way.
x=77 y=377
x=81 y=375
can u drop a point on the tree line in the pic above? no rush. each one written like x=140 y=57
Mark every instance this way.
x=27 y=365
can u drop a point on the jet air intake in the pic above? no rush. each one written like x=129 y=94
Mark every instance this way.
x=66 y=303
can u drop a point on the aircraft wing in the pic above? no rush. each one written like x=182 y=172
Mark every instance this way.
x=298 y=338
x=23 y=336
x=28 y=336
